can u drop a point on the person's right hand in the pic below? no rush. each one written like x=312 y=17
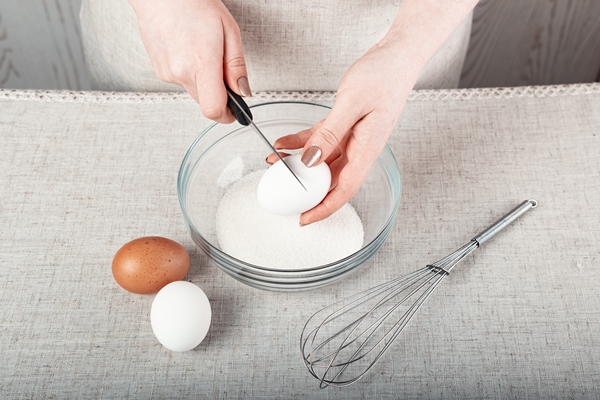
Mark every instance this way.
x=195 y=44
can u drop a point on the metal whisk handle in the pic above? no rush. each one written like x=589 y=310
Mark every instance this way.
x=505 y=221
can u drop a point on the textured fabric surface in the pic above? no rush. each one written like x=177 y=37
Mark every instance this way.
x=288 y=45
x=80 y=175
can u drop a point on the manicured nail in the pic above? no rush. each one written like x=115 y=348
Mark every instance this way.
x=244 y=87
x=311 y=156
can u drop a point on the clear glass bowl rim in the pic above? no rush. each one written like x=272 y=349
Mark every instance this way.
x=250 y=270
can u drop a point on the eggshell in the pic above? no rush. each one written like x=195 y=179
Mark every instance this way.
x=280 y=193
x=180 y=316
x=147 y=264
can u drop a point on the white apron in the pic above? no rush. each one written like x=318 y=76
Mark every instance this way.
x=288 y=45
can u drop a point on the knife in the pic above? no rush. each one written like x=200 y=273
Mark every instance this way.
x=242 y=114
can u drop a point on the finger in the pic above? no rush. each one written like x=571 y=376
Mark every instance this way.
x=297 y=141
x=294 y=141
x=234 y=71
x=272 y=158
x=342 y=117
x=289 y=142
x=336 y=166
x=348 y=172
x=348 y=184
x=212 y=95
x=338 y=152
x=335 y=199
x=192 y=91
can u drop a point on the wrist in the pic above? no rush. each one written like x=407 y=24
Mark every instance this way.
x=141 y=5
x=422 y=26
x=403 y=48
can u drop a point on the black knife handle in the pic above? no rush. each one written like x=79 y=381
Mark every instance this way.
x=235 y=110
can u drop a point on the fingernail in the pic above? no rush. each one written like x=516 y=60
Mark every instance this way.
x=244 y=87
x=311 y=156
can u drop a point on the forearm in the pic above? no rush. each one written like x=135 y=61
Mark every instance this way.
x=156 y=8
x=421 y=26
x=139 y=4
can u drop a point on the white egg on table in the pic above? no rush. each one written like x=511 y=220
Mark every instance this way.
x=180 y=316
x=280 y=193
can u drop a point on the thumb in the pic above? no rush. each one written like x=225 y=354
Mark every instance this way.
x=234 y=63
x=329 y=134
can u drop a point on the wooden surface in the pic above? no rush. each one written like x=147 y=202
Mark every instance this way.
x=40 y=45
x=533 y=42
x=514 y=42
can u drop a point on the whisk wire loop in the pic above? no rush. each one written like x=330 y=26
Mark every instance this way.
x=361 y=343
x=355 y=332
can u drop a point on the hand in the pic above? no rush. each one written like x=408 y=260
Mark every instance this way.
x=369 y=101
x=195 y=44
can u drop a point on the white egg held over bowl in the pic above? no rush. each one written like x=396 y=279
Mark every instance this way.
x=280 y=193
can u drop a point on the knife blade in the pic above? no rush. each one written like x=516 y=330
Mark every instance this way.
x=243 y=115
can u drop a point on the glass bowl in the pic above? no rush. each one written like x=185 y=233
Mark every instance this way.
x=224 y=153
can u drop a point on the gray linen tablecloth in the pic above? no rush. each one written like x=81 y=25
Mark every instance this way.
x=83 y=173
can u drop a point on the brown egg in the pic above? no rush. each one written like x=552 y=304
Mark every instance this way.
x=147 y=264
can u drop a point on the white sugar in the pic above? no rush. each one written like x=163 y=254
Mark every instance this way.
x=249 y=233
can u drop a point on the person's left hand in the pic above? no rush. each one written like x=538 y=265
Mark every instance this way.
x=369 y=101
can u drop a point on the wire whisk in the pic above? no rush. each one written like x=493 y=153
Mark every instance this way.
x=341 y=342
